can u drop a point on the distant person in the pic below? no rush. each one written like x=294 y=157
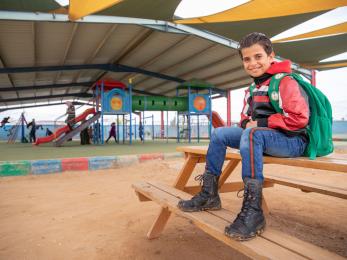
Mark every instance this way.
x=90 y=133
x=4 y=121
x=141 y=131
x=32 y=133
x=48 y=132
x=112 y=133
x=84 y=135
x=71 y=114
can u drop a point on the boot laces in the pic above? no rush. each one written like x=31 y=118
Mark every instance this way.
x=199 y=178
x=245 y=204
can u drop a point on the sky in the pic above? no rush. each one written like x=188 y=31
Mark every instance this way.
x=333 y=83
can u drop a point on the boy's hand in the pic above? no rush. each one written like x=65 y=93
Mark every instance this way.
x=251 y=124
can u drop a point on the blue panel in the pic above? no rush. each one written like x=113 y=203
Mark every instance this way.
x=102 y=162
x=119 y=94
x=45 y=166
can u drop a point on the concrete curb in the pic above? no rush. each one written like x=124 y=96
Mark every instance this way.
x=35 y=167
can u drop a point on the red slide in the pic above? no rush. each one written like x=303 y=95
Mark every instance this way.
x=217 y=121
x=64 y=129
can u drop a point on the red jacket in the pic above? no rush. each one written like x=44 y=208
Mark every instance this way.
x=292 y=99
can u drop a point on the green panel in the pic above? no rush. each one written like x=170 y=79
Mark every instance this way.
x=15 y=168
x=147 y=9
x=155 y=103
x=28 y=5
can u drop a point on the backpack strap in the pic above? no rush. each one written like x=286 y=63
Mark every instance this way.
x=251 y=89
x=274 y=93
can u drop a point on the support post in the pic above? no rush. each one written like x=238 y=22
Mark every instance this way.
x=161 y=124
x=228 y=108
x=313 y=78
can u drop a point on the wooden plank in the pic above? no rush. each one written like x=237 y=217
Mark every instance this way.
x=333 y=162
x=213 y=224
x=291 y=243
x=308 y=186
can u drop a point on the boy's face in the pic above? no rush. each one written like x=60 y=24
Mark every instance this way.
x=255 y=60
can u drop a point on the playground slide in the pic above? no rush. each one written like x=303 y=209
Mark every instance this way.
x=217 y=121
x=64 y=129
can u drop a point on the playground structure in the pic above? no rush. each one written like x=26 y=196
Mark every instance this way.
x=66 y=130
x=15 y=130
x=116 y=99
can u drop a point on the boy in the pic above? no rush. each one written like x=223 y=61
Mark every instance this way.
x=261 y=131
x=71 y=114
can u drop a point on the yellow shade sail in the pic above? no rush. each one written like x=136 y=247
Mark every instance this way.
x=262 y=9
x=325 y=66
x=81 y=8
x=328 y=31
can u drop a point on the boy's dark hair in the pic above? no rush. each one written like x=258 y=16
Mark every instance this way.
x=256 y=38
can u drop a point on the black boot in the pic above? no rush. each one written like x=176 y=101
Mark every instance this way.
x=250 y=221
x=206 y=199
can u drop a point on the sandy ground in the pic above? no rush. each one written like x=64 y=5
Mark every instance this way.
x=96 y=215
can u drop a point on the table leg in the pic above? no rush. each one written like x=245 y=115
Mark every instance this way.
x=181 y=181
x=227 y=171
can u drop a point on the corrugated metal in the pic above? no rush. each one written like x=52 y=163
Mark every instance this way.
x=39 y=43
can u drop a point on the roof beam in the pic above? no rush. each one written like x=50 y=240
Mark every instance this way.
x=80 y=95
x=106 y=67
x=42 y=105
x=49 y=86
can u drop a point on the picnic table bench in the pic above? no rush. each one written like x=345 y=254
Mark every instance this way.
x=272 y=244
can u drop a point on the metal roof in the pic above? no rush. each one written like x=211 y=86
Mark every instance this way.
x=44 y=57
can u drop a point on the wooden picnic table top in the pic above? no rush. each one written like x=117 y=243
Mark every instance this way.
x=332 y=162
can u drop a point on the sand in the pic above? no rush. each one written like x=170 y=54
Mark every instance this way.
x=96 y=215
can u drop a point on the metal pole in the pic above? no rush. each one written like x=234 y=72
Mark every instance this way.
x=210 y=121
x=228 y=108
x=152 y=127
x=123 y=129
x=313 y=77
x=130 y=112
x=188 y=118
x=167 y=126
x=102 y=112
x=117 y=135
x=198 y=129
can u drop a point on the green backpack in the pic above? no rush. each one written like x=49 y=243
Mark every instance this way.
x=319 y=128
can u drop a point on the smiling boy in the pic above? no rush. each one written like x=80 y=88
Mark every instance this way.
x=262 y=131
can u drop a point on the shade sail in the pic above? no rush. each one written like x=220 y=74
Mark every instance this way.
x=328 y=31
x=80 y=8
x=314 y=50
x=271 y=26
x=264 y=9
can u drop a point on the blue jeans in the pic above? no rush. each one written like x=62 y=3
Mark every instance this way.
x=253 y=143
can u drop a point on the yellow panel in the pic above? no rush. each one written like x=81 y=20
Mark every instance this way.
x=81 y=8
x=325 y=66
x=261 y=9
x=332 y=30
